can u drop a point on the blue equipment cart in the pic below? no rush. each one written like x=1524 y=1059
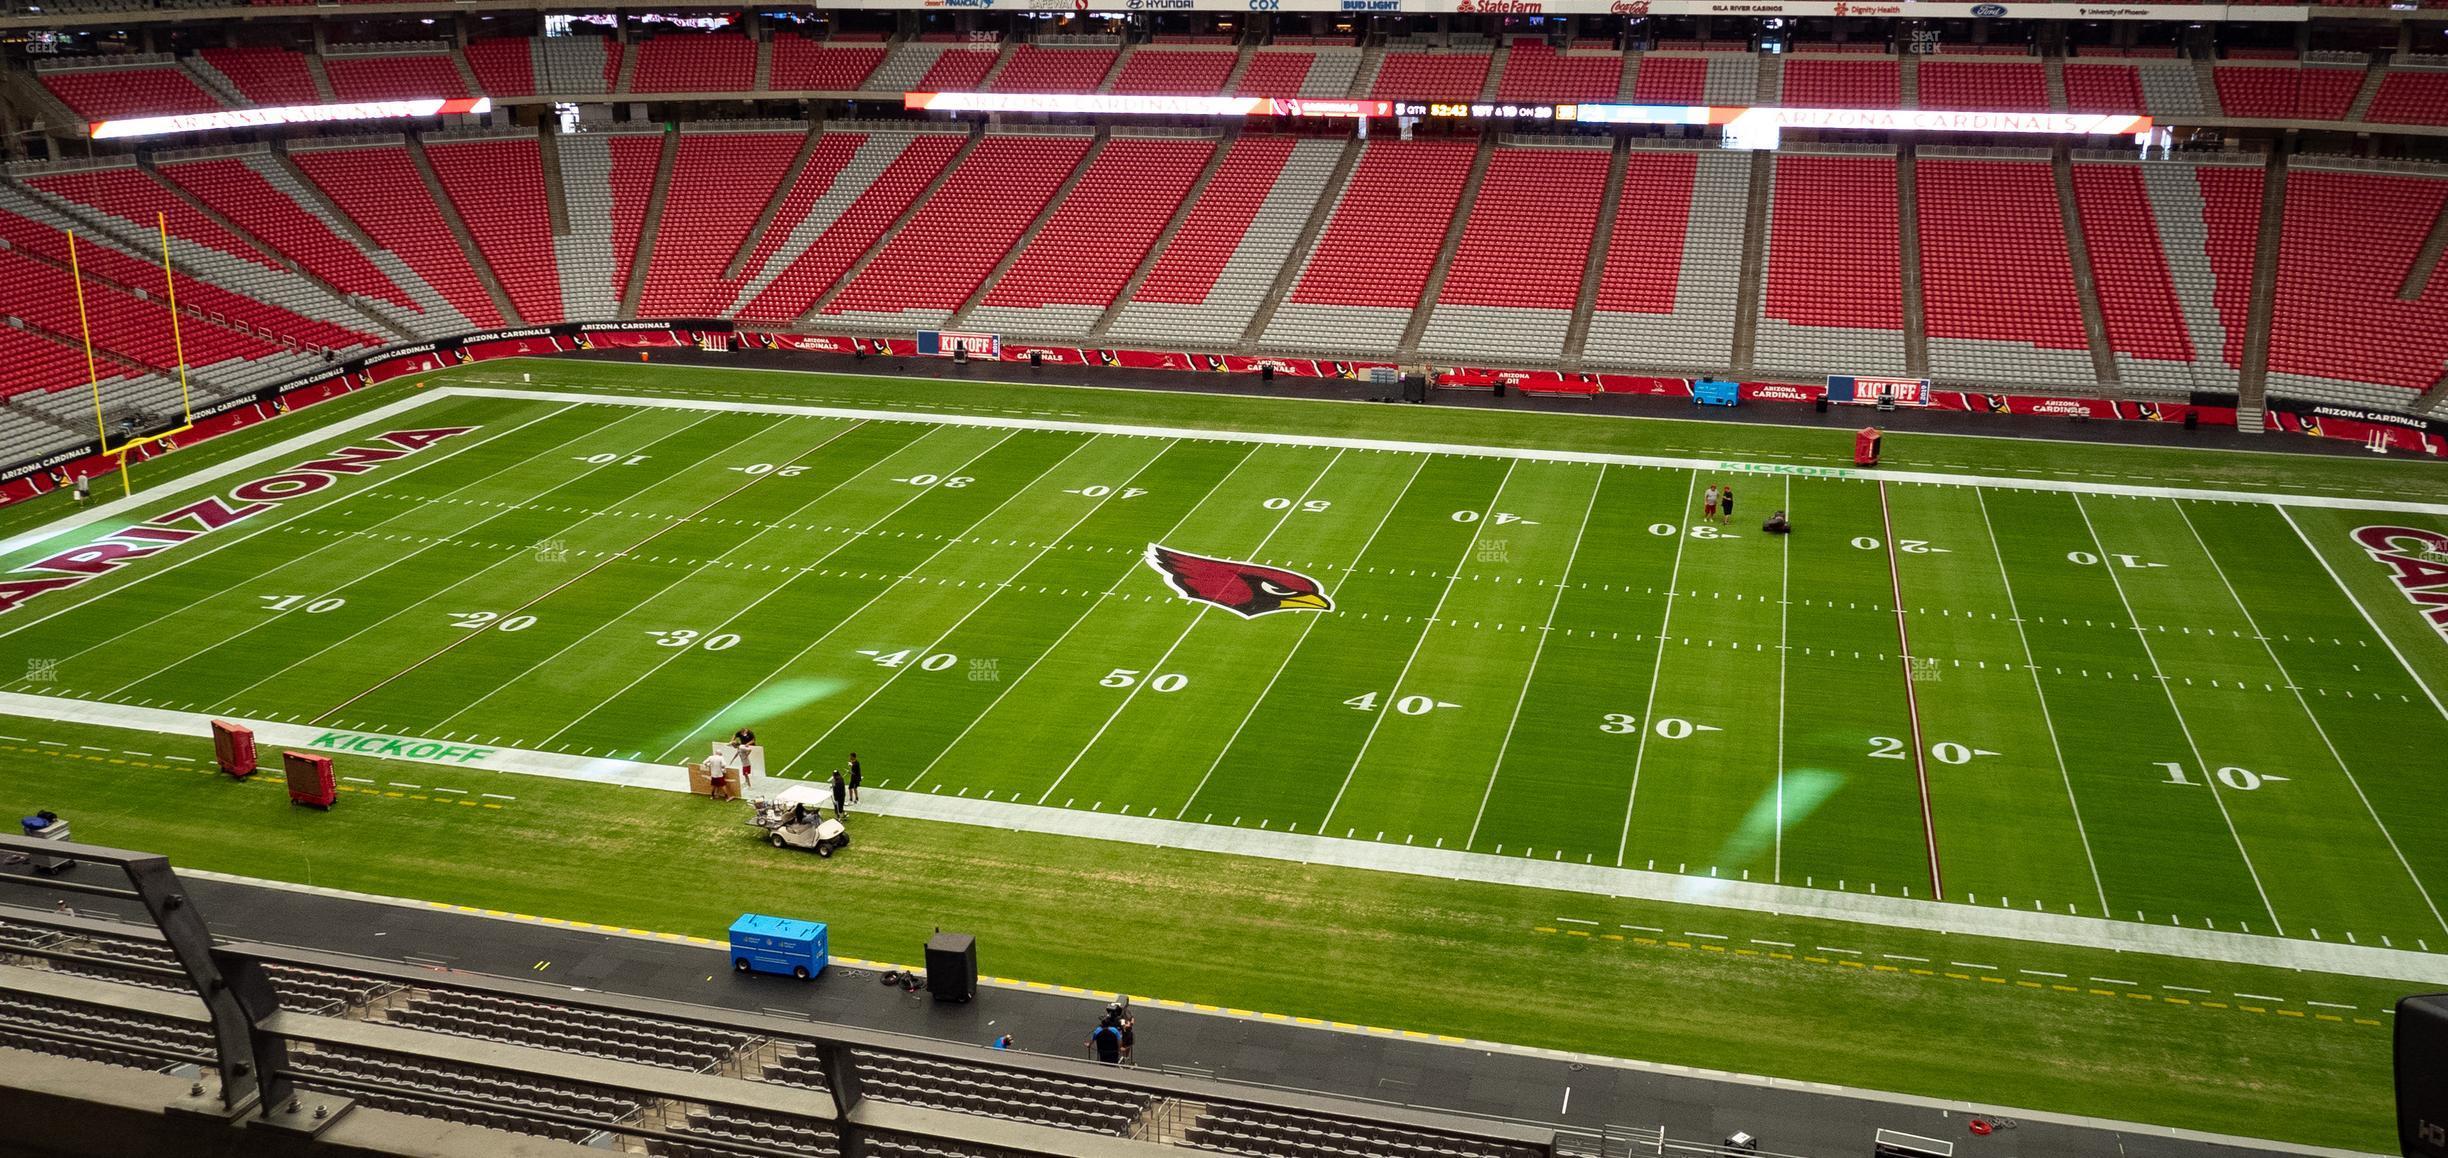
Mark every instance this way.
x=1714 y=392
x=777 y=945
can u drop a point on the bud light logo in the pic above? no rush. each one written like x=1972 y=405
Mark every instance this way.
x=1988 y=11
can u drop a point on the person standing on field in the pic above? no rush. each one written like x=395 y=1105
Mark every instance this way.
x=1708 y=504
x=841 y=795
x=854 y=777
x=1725 y=504
x=84 y=489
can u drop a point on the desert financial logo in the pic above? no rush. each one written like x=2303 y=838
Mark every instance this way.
x=2418 y=564
x=118 y=548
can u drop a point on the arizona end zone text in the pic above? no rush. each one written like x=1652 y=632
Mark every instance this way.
x=2418 y=564
x=108 y=552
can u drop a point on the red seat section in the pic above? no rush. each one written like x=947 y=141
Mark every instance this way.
x=1834 y=298
x=1177 y=72
x=695 y=62
x=237 y=192
x=134 y=195
x=101 y=94
x=1217 y=222
x=720 y=184
x=1365 y=275
x=1670 y=80
x=1997 y=274
x=2001 y=86
x=1431 y=76
x=394 y=78
x=1275 y=73
x=504 y=65
x=1034 y=69
x=1517 y=270
x=635 y=157
x=958 y=70
x=2129 y=266
x=1535 y=71
x=896 y=170
x=268 y=76
x=2287 y=93
x=498 y=188
x=935 y=262
x=1098 y=235
x=2340 y=333
x=2410 y=98
x=803 y=65
x=2103 y=88
x=1815 y=82
x=1644 y=257
x=380 y=190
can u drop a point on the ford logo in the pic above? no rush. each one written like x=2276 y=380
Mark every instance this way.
x=1988 y=11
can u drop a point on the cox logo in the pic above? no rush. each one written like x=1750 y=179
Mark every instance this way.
x=1265 y=5
x=1988 y=11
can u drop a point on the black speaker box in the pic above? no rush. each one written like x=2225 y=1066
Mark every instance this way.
x=1036 y=359
x=1820 y=404
x=2422 y=1076
x=1499 y=392
x=951 y=966
x=1415 y=388
x=2192 y=420
x=1266 y=373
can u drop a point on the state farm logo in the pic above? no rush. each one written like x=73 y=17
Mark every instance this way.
x=1503 y=7
x=1629 y=8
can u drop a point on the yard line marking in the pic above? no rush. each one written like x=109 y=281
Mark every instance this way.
x=684 y=576
x=1912 y=699
x=2184 y=989
x=1573 y=921
x=2047 y=720
x=1156 y=669
x=856 y=536
x=2260 y=997
x=2168 y=688
x=980 y=605
x=302 y=512
x=1298 y=642
x=1478 y=528
x=2374 y=624
x=2114 y=981
x=2317 y=729
x=1784 y=617
x=1640 y=747
x=455 y=584
x=2041 y=973
x=1530 y=670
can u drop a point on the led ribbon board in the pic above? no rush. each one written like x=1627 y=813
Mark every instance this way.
x=285 y=115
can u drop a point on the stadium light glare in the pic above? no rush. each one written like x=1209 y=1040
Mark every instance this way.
x=127 y=127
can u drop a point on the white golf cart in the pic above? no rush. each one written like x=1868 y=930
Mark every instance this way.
x=794 y=818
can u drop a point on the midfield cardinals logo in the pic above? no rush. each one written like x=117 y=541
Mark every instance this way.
x=1248 y=590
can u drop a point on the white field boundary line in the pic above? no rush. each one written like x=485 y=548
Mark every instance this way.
x=1298 y=399
x=1487 y=515
x=2167 y=687
x=1155 y=671
x=1319 y=1025
x=1657 y=674
x=2047 y=721
x=1784 y=649
x=2365 y=612
x=1530 y=671
x=223 y=470
x=1912 y=699
x=1401 y=446
x=2310 y=717
x=1410 y=860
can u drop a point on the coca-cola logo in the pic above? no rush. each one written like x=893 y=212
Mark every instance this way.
x=1629 y=8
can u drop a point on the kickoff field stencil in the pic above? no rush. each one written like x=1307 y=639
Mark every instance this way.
x=2194 y=709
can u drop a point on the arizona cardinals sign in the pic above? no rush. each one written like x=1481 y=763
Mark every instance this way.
x=1248 y=590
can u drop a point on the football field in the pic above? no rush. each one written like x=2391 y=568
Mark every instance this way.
x=2096 y=700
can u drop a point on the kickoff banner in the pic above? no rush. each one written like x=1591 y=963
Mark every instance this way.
x=59 y=468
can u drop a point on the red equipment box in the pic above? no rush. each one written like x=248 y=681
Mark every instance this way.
x=234 y=748
x=1866 y=446
x=310 y=779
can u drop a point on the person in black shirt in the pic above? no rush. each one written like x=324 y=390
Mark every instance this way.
x=841 y=793
x=1106 y=1040
x=854 y=777
x=1725 y=503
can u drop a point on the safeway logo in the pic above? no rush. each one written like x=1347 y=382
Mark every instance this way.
x=117 y=549
x=2417 y=561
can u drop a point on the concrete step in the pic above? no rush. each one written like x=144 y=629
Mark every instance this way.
x=2253 y=379
x=1754 y=260
x=458 y=227
x=2086 y=287
x=649 y=225
x=1908 y=232
x=1602 y=235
